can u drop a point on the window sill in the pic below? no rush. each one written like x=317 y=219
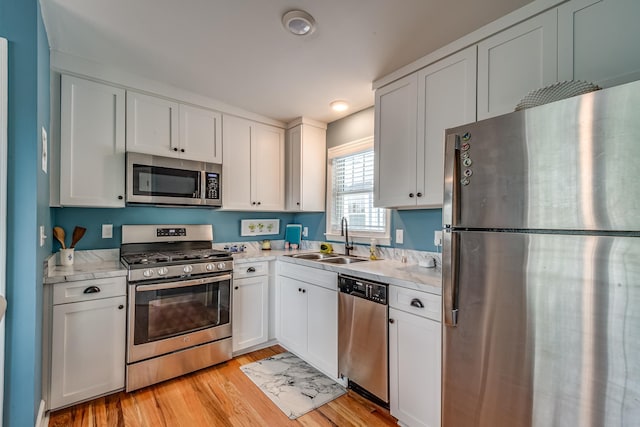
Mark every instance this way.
x=382 y=241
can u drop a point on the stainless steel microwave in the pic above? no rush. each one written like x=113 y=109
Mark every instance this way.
x=167 y=181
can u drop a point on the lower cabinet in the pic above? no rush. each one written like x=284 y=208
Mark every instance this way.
x=88 y=335
x=308 y=323
x=250 y=313
x=414 y=357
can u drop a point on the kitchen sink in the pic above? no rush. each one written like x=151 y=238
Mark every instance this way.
x=343 y=260
x=313 y=256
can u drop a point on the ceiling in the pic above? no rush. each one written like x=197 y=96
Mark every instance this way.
x=237 y=52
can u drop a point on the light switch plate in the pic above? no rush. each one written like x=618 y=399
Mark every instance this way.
x=43 y=237
x=399 y=236
x=305 y=232
x=437 y=238
x=45 y=151
x=107 y=231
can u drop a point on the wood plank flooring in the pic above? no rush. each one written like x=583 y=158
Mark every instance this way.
x=218 y=396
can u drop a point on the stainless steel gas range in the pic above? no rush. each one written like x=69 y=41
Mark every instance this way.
x=179 y=297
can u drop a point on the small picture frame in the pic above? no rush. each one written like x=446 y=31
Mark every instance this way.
x=259 y=227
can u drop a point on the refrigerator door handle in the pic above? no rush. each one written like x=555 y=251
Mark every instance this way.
x=450 y=277
x=451 y=206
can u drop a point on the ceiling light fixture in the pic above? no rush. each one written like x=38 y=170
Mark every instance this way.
x=298 y=22
x=339 y=105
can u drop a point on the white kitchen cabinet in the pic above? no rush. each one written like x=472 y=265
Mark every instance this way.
x=411 y=117
x=516 y=61
x=596 y=39
x=308 y=322
x=446 y=98
x=306 y=167
x=167 y=128
x=396 y=115
x=88 y=336
x=250 y=313
x=253 y=166
x=414 y=357
x=92 y=144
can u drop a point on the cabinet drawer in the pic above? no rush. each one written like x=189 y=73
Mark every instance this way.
x=83 y=290
x=415 y=302
x=250 y=269
x=316 y=276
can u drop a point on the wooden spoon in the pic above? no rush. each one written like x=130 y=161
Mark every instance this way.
x=78 y=232
x=58 y=233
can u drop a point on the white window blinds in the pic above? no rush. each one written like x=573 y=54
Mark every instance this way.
x=352 y=194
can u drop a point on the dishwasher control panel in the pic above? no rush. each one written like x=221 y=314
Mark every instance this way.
x=372 y=291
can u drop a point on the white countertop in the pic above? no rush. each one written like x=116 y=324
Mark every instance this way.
x=105 y=263
x=387 y=271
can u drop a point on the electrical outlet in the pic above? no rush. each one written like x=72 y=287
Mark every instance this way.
x=107 y=231
x=45 y=151
x=43 y=237
x=305 y=232
x=399 y=236
x=437 y=238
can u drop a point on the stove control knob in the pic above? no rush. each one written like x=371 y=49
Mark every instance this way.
x=221 y=266
x=162 y=271
x=147 y=273
x=211 y=267
x=187 y=269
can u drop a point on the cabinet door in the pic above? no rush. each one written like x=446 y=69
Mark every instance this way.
x=152 y=125
x=322 y=329
x=88 y=350
x=236 y=164
x=516 y=61
x=414 y=369
x=294 y=172
x=306 y=153
x=250 y=312
x=267 y=167
x=200 y=134
x=396 y=112
x=92 y=144
x=446 y=98
x=596 y=41
x=293 y=315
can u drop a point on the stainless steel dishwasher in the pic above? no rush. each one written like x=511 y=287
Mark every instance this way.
x=363 y=337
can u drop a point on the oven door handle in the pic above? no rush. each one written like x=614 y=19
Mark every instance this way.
x=182 y=284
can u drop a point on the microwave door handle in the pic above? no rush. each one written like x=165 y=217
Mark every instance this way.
x=182 y=284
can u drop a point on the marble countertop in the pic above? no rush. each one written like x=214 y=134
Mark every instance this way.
x=98 y=264
x=93 y=264
x=406 y=275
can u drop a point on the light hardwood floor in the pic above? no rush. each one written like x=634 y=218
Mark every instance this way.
x=218 y=396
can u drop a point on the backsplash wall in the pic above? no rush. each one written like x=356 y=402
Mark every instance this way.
x=226 y=224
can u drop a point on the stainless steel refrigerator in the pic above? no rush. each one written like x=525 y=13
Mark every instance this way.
x=541 y=266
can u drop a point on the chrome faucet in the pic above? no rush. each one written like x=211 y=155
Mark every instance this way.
x=344 y=231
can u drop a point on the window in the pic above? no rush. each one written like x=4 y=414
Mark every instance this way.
x=350 y=194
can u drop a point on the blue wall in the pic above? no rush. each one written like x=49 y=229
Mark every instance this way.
x=226 y=225
x=418 y=226
x=28 y=194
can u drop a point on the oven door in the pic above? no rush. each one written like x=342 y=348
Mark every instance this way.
x=165 y=317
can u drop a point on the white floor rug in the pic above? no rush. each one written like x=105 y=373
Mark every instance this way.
x=292 y=384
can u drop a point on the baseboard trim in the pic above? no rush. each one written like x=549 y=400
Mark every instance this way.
x=43 y=418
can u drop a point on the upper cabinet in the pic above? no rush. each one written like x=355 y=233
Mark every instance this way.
x=596 y=41
x=410 y=120
x=516 y=61
x=306 y=153
x=166 y=128
x=92 y=144
x=252 y=166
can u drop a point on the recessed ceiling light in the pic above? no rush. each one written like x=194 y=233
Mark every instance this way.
x=298 y=22
x=339 y=105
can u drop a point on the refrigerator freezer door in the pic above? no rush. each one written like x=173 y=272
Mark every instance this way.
x=547 y=334
x=568 y=165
